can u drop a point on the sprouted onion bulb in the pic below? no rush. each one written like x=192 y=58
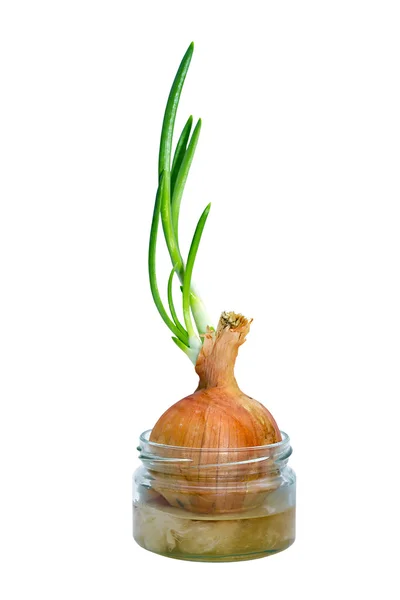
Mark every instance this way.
x=218 y=415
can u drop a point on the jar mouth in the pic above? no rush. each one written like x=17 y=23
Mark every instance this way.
x=277 y=446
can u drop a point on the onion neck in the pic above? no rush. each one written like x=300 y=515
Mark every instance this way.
x=216 y=361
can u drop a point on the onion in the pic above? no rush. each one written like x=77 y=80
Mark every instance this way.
x=218 y=416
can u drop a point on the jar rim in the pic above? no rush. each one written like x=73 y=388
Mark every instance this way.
x=145 y=439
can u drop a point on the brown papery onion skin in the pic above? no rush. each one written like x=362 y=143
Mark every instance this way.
x=218 y=415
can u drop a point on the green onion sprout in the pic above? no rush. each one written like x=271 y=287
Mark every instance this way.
x=171 y=184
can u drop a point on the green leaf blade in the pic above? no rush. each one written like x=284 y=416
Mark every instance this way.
x=164 y=161
x=182 y=176
x=169 y=233
x=171 y=304
x=152 y=272
x=187 y=281
x=180 y=151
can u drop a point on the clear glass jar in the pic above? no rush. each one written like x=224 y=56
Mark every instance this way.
x=214 y=504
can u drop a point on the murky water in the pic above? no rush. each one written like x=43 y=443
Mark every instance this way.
x=173 y=532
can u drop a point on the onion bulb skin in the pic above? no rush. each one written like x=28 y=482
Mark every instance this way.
x=210 y=424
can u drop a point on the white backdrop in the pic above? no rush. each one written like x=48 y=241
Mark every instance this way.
x=299 y=155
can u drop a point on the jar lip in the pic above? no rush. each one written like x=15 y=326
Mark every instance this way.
x=145 y=439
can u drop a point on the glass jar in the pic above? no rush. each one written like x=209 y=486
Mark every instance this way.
x=214 y=504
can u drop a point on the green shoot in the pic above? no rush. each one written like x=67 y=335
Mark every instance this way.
x=172 y=180
x=166 y=220
x=192 y=353
x=182 y=176
x=180 y=152
x=188 y=276
x=152 y=273
x=164 y=161
x=171 y=303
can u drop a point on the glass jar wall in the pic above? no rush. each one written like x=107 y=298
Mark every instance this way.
x=214 y=504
